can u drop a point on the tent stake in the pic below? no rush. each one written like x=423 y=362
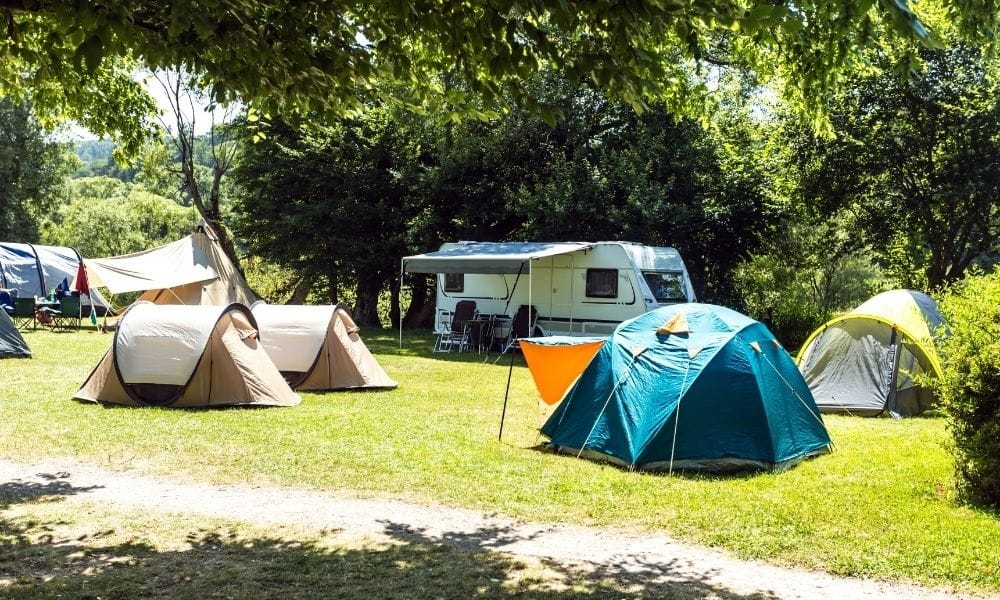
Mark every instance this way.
x=506 y=394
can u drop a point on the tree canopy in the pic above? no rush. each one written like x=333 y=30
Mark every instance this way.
x=296 y=57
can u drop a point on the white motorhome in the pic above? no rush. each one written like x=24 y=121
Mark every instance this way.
x=578 y=288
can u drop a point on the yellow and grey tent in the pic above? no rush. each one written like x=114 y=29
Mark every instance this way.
x=187 y=356
x=869 y=361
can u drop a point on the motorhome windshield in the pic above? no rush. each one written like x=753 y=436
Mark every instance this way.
x=667 y=286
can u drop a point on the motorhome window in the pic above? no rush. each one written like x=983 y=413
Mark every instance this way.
x=602 y=283
x=667 y=286
x=454 y=282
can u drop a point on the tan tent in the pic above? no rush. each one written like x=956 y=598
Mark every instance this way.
x=187 y=356
x=318 y=347
x=193 y=270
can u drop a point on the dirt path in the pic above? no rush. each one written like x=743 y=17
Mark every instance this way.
x=626 y=556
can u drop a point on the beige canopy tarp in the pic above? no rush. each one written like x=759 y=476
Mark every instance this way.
x=192 y=270
x=187 y=356
x=318 y=347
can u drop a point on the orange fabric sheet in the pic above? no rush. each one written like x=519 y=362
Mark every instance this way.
x=555 y=368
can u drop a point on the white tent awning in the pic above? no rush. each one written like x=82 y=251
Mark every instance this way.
x=174 y=264
x=487 y=257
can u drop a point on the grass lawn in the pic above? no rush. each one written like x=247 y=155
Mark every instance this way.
x=881 y=506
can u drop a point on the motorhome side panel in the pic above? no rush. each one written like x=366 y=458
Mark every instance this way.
x=580 y=293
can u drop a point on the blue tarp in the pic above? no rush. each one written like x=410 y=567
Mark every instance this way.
x=715 y=378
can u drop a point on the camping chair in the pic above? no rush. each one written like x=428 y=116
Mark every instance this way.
x=457 y=334
x=24 y=313
x=69 y=314
x=7 y=300
x=522 y=326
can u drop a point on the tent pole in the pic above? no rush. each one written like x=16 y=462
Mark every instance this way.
x=399 y=301
x=506 y=394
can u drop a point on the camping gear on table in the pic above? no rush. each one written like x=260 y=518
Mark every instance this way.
x=34 y=270
x=869 y=361
x=187 y=356
x=690 y=386
x=318 y=347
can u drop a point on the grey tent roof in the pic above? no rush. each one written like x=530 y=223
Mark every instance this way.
x=487 y=257
x=33 y=269
x=11 y=342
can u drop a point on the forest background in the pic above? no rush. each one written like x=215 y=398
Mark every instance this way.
x=773 y=220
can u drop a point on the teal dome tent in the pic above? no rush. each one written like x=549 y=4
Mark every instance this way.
x=690 y=386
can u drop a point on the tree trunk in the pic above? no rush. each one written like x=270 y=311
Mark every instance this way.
x=333 y=283
x=420 y=312
x=394 y=300
x=366 y=311
x=300 y=292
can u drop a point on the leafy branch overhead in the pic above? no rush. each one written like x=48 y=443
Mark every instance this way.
x=288 y=56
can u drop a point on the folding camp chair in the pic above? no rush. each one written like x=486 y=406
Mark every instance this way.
x=456 y=337
x=522 y=326
x=69 y=314
x=24 y=313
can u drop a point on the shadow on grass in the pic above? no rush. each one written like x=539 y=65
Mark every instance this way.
x=53 y=487
x=692 y=474
x=37 y=562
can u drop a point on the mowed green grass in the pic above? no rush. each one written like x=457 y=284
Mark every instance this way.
x=881 y=506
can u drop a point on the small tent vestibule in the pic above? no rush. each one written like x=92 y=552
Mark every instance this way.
x=12 y=344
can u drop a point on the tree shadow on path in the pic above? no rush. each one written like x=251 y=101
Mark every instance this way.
x=39 y=560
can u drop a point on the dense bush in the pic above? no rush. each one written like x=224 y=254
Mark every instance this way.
x=970 y=388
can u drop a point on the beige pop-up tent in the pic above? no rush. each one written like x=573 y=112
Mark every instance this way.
x=318 y=347
x=187 y=356
x=192 y=270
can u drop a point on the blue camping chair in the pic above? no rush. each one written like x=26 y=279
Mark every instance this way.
x=7 y=297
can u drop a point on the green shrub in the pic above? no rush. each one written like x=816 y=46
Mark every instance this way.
x=970 y=388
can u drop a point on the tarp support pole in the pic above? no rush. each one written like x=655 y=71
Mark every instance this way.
x=506 y=394
x=510 y=296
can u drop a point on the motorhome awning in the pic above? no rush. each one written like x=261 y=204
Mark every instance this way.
x=487 y=257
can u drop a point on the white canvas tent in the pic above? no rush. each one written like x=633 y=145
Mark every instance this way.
x=187 y=356
x=193 y=270
x=34 y=270
x=318 y=347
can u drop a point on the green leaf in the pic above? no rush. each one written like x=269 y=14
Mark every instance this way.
x=90 y=52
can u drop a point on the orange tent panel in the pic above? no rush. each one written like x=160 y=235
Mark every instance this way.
x=556 y=366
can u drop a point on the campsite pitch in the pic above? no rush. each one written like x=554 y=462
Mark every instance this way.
x=879 y=507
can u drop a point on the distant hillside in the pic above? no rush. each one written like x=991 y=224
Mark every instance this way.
x=90 y=151
x=96 y=159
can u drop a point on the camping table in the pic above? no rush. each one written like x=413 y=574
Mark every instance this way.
x=501 y=329
x=480 y=332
